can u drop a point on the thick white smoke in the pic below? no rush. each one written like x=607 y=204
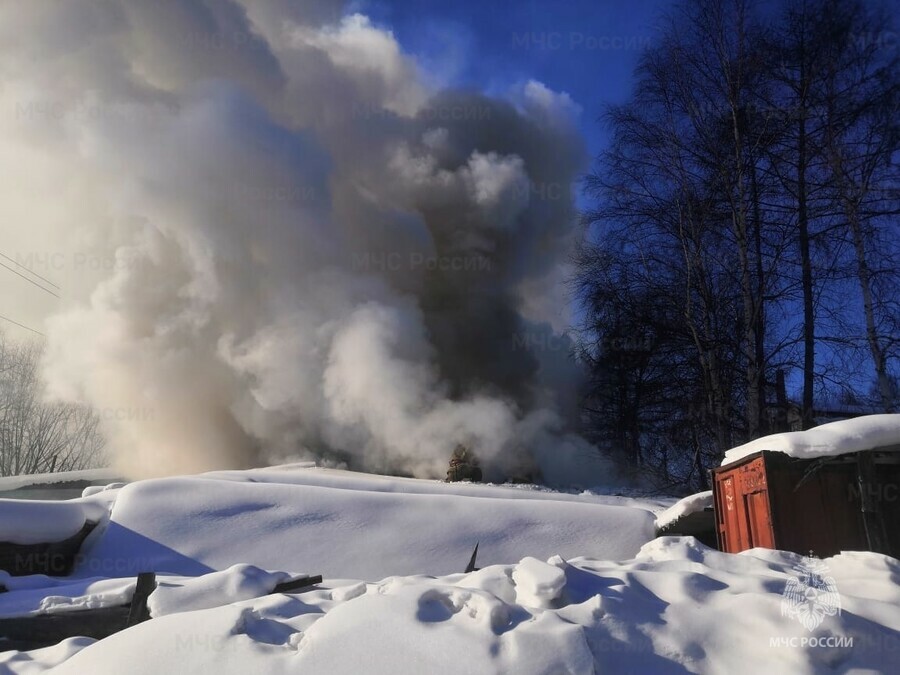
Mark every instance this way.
x=313 y=250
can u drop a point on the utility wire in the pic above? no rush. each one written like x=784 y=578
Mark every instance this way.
x=30 y=271
x=21 y=325
x=30 y=281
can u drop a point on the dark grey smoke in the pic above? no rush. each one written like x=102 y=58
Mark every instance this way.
x=317 y=250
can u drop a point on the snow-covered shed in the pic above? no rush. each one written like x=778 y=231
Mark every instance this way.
x=829 y=489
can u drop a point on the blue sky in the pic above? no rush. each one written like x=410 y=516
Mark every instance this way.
x=586 y=48
x=583 y=47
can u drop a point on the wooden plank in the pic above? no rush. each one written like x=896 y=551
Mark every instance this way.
x=138 y=612
x=43 y=630
x=296 y=584
x=471 y=566
x=54 y=559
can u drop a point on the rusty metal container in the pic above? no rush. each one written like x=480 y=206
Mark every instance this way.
x=822 y=505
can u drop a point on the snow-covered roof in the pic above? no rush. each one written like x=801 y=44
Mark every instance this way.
x=350 y=525
x=684 y=507
x=29 y=480
x=35 y=522
x=836 y=438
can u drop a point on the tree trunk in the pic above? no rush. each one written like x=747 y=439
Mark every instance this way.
x=809 y=327
x=760 y=302
x=864 y=275
x=739 y=221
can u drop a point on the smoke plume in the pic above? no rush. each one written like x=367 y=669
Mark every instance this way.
x=278 y=236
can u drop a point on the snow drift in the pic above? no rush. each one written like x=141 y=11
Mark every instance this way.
x=676 y=607
x=310 y=521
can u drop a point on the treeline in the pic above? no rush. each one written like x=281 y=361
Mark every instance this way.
x=36 y=435
x=742 y=245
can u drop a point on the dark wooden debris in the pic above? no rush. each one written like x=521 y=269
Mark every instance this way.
x=138 y=612
x=54 y=559
x=296 y=584
x=471 y=566
x=43 y=630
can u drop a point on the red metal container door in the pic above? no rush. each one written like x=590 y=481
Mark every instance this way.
x=730 y=528
x=759 y=524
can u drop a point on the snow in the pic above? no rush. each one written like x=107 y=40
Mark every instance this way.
x=308 y=474
x=40 y=660
x=88 y=594
x=538 y=583
x=194 y=525
x=34 y=522
x=835 y=438
x=38 y=593
x=684 y=507
x=92 y=490
x=569 y=584
x=675 y=606
x=28 y=480
x=238 y=582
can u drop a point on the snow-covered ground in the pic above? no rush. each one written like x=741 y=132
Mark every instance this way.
x=571 y=583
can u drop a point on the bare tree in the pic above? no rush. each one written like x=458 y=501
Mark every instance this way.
x=37 y=436
x=860 y=99
x=746 y=187
x=794 y=68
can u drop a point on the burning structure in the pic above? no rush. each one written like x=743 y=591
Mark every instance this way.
x=281 y=236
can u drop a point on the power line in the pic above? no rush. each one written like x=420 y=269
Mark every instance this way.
x=30 y=271
x=30 y=281
x=21 y=325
